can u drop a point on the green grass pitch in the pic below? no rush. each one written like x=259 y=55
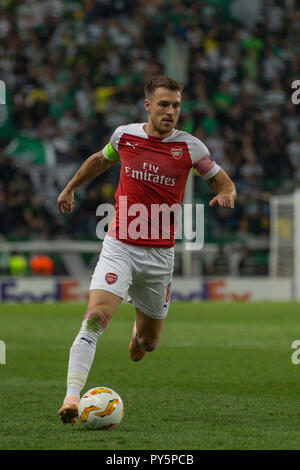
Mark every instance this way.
x=221 y=378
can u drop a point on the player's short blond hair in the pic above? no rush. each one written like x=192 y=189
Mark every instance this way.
x=161 y=81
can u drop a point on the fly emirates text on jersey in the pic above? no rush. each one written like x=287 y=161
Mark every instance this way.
x=150 y=172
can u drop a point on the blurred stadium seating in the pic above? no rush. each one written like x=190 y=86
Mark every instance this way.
x=74 y=70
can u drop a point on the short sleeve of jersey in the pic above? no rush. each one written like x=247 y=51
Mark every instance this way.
x=202 y=160
x=110 y=151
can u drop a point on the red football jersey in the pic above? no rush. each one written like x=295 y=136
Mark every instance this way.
x=152 y=181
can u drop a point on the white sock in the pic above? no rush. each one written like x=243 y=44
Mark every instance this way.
x=73 y=392
x=82 y=355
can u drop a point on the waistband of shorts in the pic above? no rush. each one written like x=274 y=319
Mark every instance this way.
x=170 y=249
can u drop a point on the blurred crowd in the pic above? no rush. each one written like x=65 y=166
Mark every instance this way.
x=75 y=70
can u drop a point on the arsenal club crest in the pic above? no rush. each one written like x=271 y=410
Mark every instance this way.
x=111 y=278
x=176 y=152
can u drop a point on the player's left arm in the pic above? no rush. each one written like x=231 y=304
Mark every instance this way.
x=224 y=189
x=212 y=174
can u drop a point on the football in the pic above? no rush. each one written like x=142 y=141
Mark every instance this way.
x=100 y=408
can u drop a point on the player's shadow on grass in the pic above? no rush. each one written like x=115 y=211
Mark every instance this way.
x=107 y=431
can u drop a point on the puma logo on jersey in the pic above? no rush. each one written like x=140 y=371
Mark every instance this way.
x=131 y=145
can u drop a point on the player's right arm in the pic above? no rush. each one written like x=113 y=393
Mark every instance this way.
x=92 y=167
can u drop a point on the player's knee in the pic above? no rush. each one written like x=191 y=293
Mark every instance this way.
x=96 y=317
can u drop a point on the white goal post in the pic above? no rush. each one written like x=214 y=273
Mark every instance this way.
x=285 y=239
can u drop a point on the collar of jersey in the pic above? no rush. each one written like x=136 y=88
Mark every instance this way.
x=157 y=139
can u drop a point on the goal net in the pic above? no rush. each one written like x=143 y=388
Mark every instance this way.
x=285 y=238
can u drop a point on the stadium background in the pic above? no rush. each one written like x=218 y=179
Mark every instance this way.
x=75 y=70
x=225 y=374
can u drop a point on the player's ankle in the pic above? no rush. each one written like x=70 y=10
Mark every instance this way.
x=73 y=392
x=136 y=353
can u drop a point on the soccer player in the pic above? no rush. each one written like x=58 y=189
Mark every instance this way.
x=155 y=162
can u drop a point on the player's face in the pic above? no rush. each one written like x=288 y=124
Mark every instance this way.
x=163 y=110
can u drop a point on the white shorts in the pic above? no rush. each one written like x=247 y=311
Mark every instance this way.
x=139 y=275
